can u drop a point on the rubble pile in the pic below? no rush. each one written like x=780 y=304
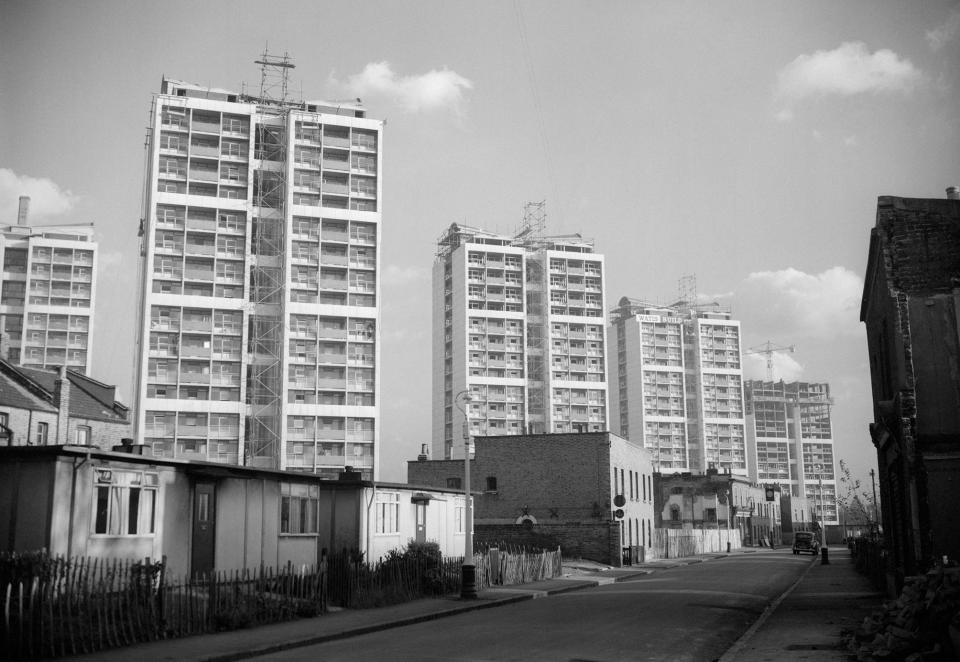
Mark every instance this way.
x=915 y=627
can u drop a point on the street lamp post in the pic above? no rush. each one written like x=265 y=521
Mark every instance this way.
x=468 y=572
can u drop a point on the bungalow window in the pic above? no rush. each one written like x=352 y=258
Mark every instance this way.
x=299 y=507
x=388 y=512
x=125 y=502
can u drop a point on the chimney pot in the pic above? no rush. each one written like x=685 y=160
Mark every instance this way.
x=953 y=193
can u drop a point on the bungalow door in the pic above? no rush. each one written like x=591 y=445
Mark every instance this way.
x=204 y=528
x=421 y=521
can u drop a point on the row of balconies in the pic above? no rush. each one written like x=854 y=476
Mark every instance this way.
x=358 y=141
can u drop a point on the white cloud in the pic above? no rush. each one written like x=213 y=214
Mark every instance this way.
x=790 y=303
x=938 y=37
x=850 y=141
x=785 y=367
x=817 y=135
x=46 y=198
x=846 y=70
x=434 y=90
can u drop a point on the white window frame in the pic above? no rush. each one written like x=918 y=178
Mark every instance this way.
x=115 y=493
x=299 y=509
x=388 y=513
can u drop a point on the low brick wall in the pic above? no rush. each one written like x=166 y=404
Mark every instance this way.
x=596 y=541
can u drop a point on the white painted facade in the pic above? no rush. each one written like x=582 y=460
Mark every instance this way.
x=519 y=326
x=48 y=295
x=260 y=316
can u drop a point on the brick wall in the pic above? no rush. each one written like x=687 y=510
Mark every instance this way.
x=596 y=541
x=23 y=425
x=563 y=477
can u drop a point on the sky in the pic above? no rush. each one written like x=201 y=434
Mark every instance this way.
x=743 y=143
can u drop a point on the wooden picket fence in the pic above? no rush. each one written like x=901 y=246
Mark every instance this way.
x=54 y=607
x=505 y=565
x=679 y=543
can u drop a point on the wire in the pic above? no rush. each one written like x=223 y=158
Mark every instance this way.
x=537 y=106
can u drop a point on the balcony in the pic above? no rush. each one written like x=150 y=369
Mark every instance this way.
x=212 y=151
x=335 y=164
x=205 y=127
x=334 y=259
x=204 y=175
x=336 y=141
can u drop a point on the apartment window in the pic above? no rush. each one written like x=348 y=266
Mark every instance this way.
x=388 y=512
x=454 y=483
x=81 y=435
x=491 y=483
x=42 y=432
x=125 y=502
x=299 y=508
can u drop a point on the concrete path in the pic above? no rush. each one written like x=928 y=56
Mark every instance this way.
x=809 y=620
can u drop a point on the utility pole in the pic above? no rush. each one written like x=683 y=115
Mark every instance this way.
x=468 y=585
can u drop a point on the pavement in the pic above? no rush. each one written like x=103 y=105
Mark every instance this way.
x=806 y=622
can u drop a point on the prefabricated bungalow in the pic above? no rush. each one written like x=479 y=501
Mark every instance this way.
x=83 y=501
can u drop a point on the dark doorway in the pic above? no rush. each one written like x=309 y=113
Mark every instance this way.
x=204 y=528
x=421 y=521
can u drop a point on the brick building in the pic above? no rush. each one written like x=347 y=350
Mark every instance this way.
x=719 y=501
x=55 y=407
x=550 y=489
x=911 y=308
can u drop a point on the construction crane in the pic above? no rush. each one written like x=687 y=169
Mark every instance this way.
x=768 y=350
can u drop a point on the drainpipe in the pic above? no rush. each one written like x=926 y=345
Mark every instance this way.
x=73 y=500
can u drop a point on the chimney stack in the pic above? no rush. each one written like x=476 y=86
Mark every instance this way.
x=953 y=193
x=423 y=453
x=23 y=210
x=61 y=399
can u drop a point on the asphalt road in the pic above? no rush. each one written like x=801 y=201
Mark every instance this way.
x=692 y=613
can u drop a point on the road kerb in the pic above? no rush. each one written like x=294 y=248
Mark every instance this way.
x=738 y=645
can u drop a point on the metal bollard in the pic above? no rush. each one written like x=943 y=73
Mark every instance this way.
x=728 y=548
x=824 y=556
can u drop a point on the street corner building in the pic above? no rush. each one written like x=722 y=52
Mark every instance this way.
x=911 y=309
x=591 y=494
x=260 y=316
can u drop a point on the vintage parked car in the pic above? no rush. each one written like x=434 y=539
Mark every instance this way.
x=805 y=541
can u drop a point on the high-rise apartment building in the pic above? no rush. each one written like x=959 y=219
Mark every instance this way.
x=518 y=324
x=790 y=441
x=676 y=385
x=260 y=301
x=47 y=294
